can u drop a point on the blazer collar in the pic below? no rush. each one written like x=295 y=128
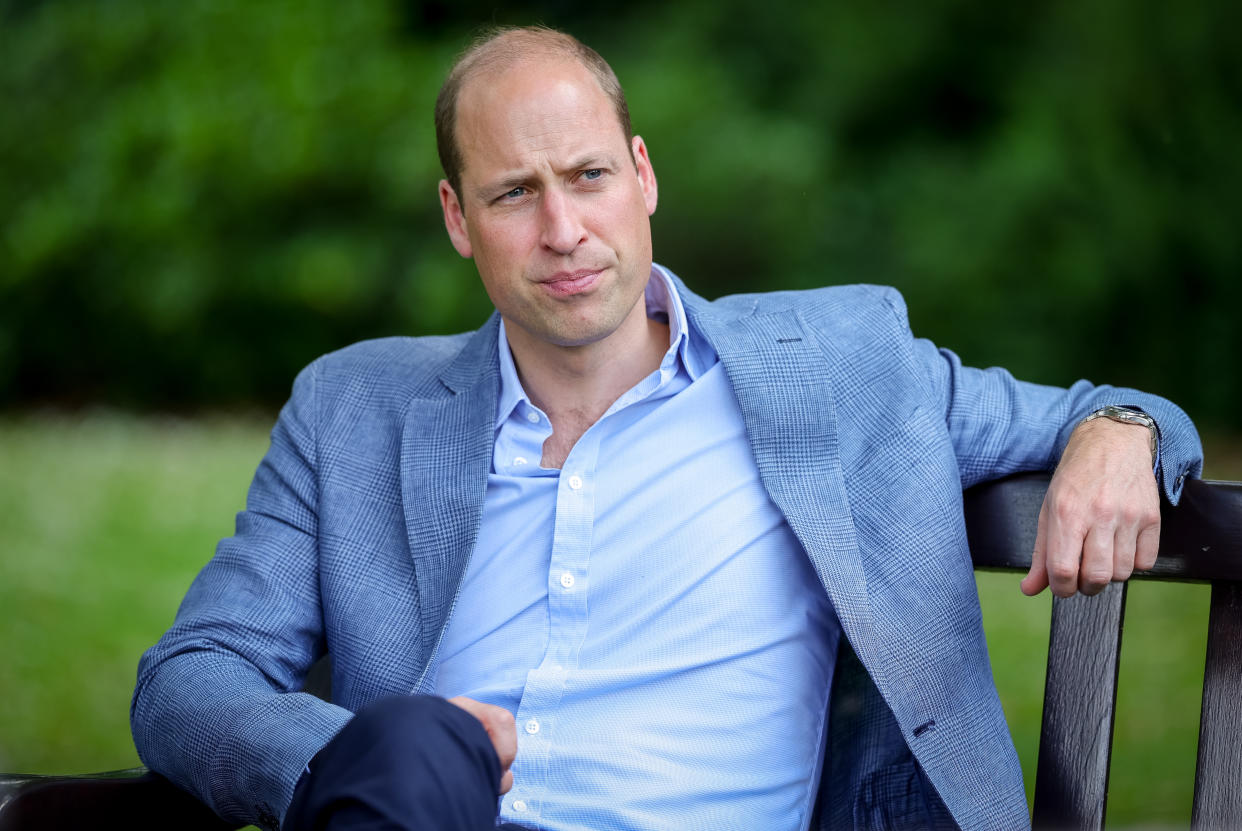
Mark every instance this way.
x=477 y=362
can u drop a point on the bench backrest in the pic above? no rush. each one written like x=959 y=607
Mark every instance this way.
x=1200 y=540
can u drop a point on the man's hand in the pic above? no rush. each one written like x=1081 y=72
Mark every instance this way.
x=1101 y=516
x=498 y=722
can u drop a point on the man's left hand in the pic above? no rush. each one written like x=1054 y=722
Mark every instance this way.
x=1101 y=516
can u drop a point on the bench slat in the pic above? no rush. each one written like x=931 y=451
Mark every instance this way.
x=1218 y=777
x=1084 y=651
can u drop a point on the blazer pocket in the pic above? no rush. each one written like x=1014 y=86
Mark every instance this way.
x=895 y=798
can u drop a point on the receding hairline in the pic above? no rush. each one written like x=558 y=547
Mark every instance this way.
x=474 y=84
x=496 y=50
x=501 y=48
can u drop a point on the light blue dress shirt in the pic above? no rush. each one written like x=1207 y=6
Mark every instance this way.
x=645 y=612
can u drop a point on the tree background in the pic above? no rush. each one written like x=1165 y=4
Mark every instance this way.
x=198 y=198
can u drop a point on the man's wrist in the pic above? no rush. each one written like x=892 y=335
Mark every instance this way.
x=1131 y=416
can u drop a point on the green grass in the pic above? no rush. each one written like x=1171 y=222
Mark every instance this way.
x=103 y=523
x=105 y=519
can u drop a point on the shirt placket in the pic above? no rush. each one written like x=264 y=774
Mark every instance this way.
x=568 y=583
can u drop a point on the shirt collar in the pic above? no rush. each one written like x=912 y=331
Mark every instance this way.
x=663 y=304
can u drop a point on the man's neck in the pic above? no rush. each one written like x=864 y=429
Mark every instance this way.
x=575 y=385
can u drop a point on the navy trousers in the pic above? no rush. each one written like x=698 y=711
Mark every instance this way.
x=405 y=762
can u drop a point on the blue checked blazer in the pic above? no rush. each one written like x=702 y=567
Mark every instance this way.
x=363 y=513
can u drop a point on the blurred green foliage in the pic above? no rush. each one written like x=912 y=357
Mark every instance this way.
x=197 y=198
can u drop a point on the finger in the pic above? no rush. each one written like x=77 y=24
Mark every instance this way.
x=503 y=731
x=1147 y=546
x=1036 y=580
x=499 y=725
x=1096 y=569
x=1064 y=550
x=1124 y=541
x=506 y=782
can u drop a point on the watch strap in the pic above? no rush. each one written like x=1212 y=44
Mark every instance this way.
x=1130 y=415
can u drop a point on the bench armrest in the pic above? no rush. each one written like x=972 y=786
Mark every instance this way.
x=134 y=799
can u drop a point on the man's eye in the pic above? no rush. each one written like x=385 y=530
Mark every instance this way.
x=592 y=174
x=516 y=193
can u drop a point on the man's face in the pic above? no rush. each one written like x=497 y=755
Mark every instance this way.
x=553 y=208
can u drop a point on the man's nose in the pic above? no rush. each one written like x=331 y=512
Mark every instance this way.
x=563 y=229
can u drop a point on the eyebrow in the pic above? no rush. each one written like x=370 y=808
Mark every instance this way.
x=517 y=179
x=592 y=160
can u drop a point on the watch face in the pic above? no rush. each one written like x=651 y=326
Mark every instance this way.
x=1126 y=414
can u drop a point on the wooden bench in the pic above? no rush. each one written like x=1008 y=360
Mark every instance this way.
x=1201 y=540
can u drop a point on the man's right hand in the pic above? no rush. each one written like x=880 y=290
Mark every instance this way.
x=408 y=762
x=501 y=729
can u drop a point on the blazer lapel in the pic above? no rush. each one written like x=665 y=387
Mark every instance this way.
x=782 y=380
x=446 y=450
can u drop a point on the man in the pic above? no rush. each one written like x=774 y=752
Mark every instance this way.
x=678 y=540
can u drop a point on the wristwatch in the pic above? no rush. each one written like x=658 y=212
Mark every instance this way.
x=1129 y=415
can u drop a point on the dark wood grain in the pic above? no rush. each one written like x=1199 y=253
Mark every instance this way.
x=1084 y=652
x=1218 y=776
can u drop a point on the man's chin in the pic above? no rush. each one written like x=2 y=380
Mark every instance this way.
x=581 y=336
x=576 y=340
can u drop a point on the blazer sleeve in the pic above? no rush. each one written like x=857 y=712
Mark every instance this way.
x=216 y=707
x=999 y=425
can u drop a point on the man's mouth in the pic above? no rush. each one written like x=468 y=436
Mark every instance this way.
x=567 y=283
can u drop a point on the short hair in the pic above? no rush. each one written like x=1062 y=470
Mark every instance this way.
x=496 y=47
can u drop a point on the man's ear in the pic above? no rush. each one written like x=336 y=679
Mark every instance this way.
x=455 y=220
x=646 y=174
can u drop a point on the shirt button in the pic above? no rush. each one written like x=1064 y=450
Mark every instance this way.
x=575 y=482
x=532 y=417
x=518 y=461
x=519 y=805
x=532 y=726
x=567 y=580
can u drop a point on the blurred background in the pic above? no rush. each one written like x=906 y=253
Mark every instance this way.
x=198 y=198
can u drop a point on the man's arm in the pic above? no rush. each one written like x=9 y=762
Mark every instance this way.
x=1101 y=514
x=216 y=707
